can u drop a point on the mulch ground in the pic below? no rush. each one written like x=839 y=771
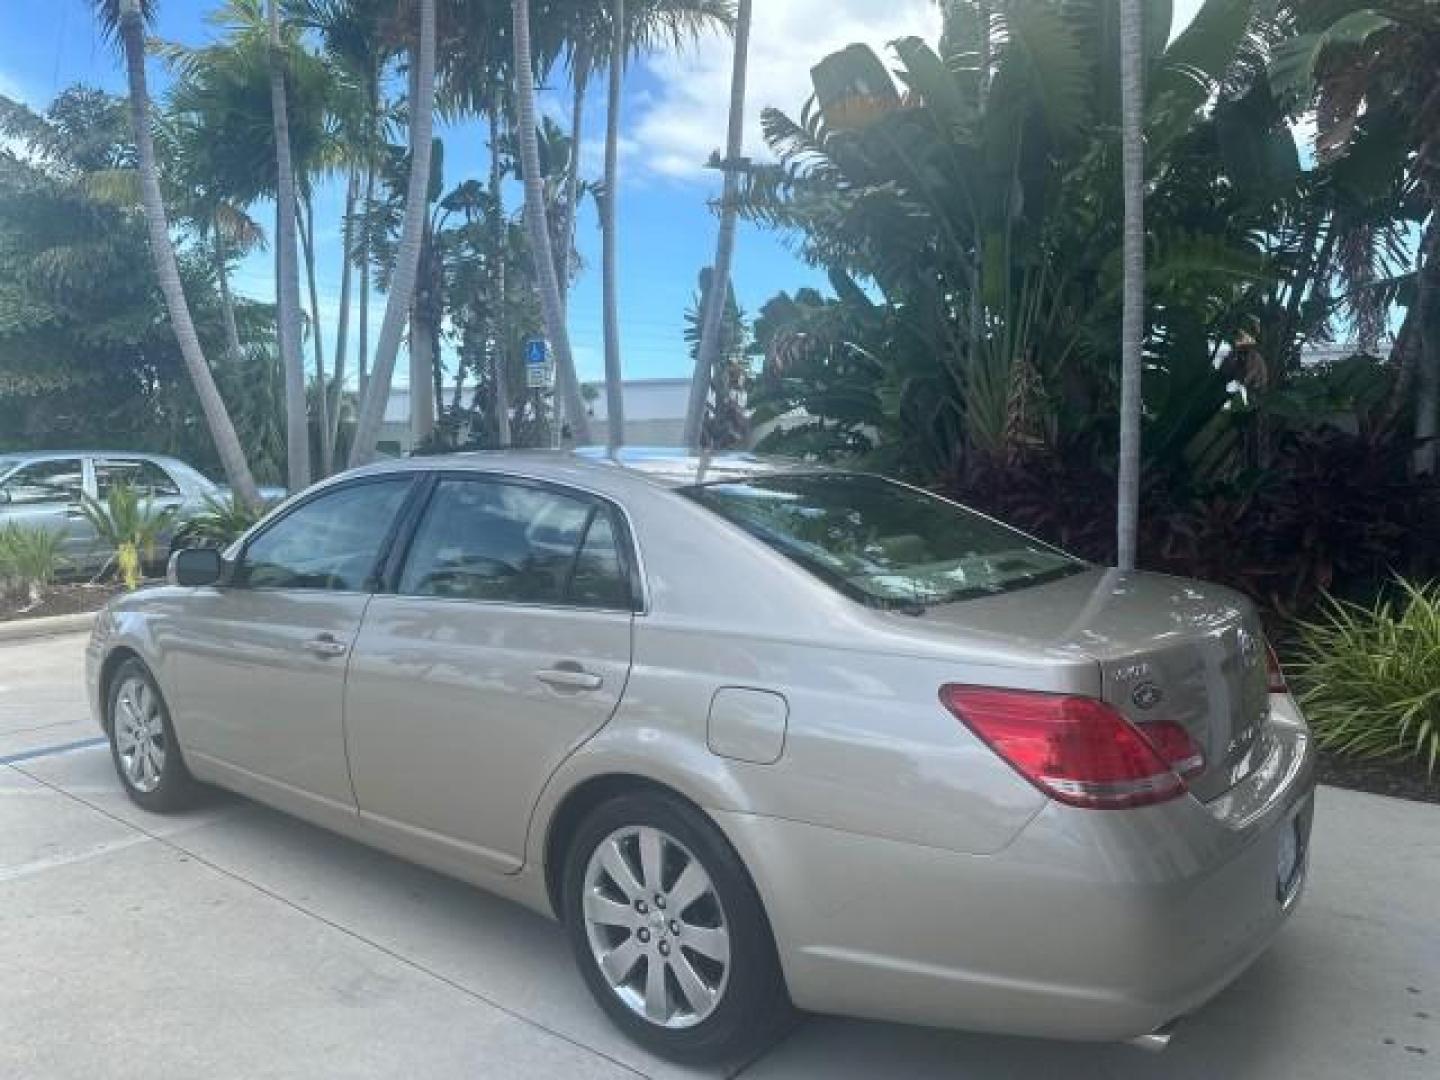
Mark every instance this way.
x=62 y=599
x=1402 y=780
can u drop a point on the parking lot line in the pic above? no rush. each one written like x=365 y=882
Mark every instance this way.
x=50 y=751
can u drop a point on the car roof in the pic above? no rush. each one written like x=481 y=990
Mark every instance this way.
x=50 y=455
x=658 y=466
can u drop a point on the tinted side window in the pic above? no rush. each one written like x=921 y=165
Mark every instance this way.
x=599 y=579
x=60 y=481
x=147 y=478
x=331 y=542
x=488 y=540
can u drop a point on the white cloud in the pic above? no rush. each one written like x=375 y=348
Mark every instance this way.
x=10 y=87
x=677 y=129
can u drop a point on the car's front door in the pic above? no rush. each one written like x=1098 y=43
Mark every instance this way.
x=259 y=662
x=504 y=645
x=47 y=495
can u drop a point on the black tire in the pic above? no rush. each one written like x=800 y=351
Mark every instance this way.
x=174 y=788
x=753 y=1008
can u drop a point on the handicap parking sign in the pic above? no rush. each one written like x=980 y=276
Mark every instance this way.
x=537 y=363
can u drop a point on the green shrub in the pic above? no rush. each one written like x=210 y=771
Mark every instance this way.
x=1370 y=676
x=30 y=559
x=219 y=523
x=130 y=526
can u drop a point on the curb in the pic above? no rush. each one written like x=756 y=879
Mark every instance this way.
x=45 y=626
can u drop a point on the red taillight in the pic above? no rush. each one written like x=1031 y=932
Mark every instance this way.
x=1276 y=673
x=1078 y=750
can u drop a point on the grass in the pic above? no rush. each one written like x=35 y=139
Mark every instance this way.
x=1370 y=676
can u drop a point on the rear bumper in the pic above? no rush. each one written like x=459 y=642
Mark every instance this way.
x=1094 y=925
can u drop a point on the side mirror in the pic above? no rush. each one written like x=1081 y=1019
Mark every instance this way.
x=5 y=496
x=195 y=567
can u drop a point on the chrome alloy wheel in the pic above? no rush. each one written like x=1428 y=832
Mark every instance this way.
x=656 y=927
x=139 y=734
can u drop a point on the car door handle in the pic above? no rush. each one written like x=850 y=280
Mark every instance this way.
x=570 y=679
x=325 y=645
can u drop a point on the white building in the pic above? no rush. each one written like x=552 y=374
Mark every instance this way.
x=654 y=413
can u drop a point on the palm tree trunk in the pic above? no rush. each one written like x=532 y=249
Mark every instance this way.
x=538 y=226
x=1127 y=515
x=1427 y=375
x=614 y=391
x=407 y=257
x=167 y=270
x=342 y=330
x=497 y=314
x=227 y=299
x=362 y=342
x=322 y=385
x=422 y=349
x=711 y=329
x=571 y=209
x=287 y=285
x=362 y=360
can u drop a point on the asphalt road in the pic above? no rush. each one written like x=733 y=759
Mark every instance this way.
x=235 y=942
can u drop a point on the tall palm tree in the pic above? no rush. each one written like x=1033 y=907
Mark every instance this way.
x=407 y=258
x=497 y=329
x=287 y=279
x=711 y=328
x=580 y=66
x=537 y=223
x=1132 y=318
x=356 y=49
x=609 y=284
x=125 y=21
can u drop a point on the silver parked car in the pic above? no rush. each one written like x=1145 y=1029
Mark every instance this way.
x=756 y=733
x=43 y=490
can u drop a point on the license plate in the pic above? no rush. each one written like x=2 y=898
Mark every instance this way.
x=1289 y=861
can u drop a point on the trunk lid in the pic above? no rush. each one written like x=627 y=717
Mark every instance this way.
x=1167 y=648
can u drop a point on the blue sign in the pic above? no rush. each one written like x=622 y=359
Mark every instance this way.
x=538 y=370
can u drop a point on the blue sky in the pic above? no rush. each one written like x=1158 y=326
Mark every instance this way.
x=674 y=115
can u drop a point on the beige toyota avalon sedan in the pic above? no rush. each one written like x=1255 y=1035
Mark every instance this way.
x=756 y=733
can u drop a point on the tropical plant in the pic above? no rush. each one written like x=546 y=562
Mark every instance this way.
x=218 y=523
x=30 y=560
x=407 y=260
x=131 y=527
x=87 y=355
x=993 y=235
x=726 y=422
x=1372 y=73
x=1368 y=677
x=711 y=328
x=124 y=21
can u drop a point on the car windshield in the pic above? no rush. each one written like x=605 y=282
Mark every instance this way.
x=884 y=543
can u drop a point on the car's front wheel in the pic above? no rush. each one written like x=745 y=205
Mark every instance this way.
x=669 y=931
x=142 y=742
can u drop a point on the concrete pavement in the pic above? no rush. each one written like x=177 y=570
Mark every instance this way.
x=235 y=942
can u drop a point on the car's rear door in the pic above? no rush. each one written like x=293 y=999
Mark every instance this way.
x=258 y=663
x=503 y=644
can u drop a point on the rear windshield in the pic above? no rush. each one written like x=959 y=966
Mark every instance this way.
x=884 y=543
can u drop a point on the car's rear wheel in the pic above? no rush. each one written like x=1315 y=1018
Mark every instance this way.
x=669 y=931
x=142 y=742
